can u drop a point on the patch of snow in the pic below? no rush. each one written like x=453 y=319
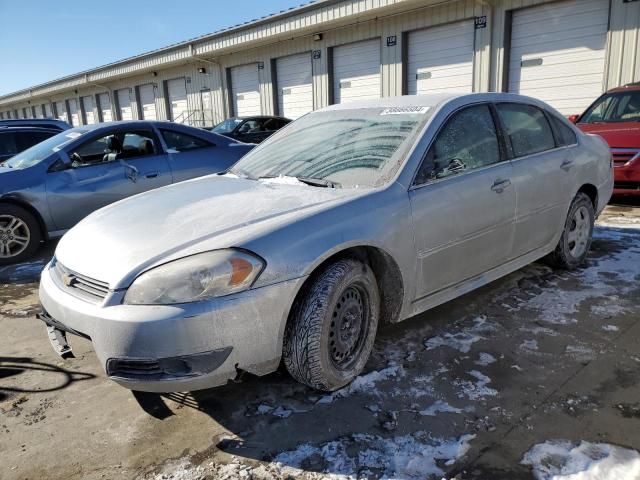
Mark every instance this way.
x=620 y=221
x=413 y=456
x=517 y=367
x=559 y=305
x=529 y=345
x=563 y=460
x=283 y=180
x=364 y=384
x=610 y=328
x=485 y=359
x=461 y=341
x=439 y=407
x=477 y=390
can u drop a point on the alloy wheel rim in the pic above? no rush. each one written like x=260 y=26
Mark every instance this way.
x=578 y=235
x=14 y=236
x=348 y=327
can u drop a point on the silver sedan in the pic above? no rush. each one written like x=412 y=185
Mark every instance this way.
x=352 y=216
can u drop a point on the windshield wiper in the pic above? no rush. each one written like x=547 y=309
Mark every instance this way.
x=319 y=182
x=314 y=182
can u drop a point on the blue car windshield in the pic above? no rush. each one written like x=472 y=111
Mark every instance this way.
x=31 y=156
x=351 y=148
x=227 y=126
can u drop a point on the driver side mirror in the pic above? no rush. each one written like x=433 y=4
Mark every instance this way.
x=573 y=118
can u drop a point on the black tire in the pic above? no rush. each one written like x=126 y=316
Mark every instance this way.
x=30 y=225
x=332 y=327
x=565 y=256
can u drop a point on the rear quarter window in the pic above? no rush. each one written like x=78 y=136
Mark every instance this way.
x=564 y=134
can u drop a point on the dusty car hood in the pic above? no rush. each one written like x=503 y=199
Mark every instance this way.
x=117 y=242
x=617 y=135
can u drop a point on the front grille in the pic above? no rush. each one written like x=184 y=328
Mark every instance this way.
x=80 y=285
x=627 y=185
x=623 y=155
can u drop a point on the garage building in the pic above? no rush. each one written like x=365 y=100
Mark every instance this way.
x=566 y=52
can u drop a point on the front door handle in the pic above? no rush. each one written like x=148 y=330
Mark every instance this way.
x=566 y=165
x=151 y=175
x=499 y=185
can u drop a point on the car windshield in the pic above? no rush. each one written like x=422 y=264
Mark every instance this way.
x=614 y=107
x=349 y=148
x=227 y=126
x=42 y=150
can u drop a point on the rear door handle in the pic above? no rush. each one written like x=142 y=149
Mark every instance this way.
x=499 y=185
x=151 y=175
x=566 y=165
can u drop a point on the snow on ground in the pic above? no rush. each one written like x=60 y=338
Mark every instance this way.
x=475 y=390
x=461 y=341
x=563 y=460
x=485 y=359
x=414 y=456
x=559 y=306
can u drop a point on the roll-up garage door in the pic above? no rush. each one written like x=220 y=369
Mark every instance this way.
x=105 y=107
x=73 y=110
x=558 y=53
x=148 y=102
x=124 y=103
x=87 y=105
x=47 y=110
x=295 y=92
x=356 y=71
x=245 y=90
x=61 y=111
x=440 y=59
x=178 y=100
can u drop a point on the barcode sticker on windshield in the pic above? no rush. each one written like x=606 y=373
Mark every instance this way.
x=404 y=110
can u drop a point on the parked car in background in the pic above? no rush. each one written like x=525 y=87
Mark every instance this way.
x=50 y=187
x=14 y=140
x=358 y=214
x=615 y=116
x=50 y=123
x=250 y=129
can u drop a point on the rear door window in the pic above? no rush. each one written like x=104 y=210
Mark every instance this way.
x=526 y=127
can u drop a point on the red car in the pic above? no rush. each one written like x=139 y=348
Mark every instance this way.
x=615 y=116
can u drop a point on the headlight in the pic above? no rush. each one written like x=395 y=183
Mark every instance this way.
x=198 y=277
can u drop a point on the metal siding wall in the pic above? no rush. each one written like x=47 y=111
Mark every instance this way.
x=624 y=44
x=351 y=21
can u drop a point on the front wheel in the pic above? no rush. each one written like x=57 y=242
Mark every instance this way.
x=575 y=240
x=332 y=328
x=20 y=234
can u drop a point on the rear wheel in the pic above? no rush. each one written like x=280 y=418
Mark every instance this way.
x=333 y=326
x=575 y=241
x=20 y=234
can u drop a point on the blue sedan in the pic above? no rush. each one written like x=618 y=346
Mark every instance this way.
x=48 y=188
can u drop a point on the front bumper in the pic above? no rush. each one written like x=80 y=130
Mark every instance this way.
x=241 y=331
x=627 y=179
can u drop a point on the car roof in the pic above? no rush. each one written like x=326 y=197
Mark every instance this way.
x=19 y=128
x=434 y=100
x=262 y=117
x=625 y=88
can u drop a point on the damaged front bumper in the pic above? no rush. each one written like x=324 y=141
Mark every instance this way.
x=168 y=348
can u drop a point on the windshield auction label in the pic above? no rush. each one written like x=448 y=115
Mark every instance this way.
x=404 y=110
